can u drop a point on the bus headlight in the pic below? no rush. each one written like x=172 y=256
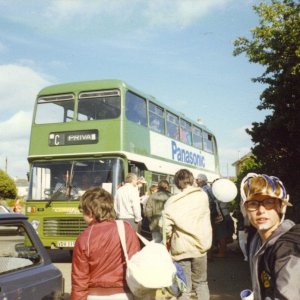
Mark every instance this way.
x=35 y=224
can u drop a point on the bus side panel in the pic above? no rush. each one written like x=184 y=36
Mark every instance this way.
x=136 y=139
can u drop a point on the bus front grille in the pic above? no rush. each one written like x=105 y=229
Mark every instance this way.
x=63 y=226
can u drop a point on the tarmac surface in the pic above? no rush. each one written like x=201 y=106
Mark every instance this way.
x=227 y=277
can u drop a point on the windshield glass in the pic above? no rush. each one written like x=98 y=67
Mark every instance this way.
x=68 y=180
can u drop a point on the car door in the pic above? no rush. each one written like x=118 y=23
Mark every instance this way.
x=26 y=271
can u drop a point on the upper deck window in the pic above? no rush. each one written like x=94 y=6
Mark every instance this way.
x=136 y=109
x=185 y=132
x=55 y=109
x=99 y=105
x=197 y=137
x=156 y=118
x=172 y=126
x=208 y=143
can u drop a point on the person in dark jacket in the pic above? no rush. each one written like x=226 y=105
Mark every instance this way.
x=275 y=249
x=222 y=222
x=98 y=263
x=154 y=207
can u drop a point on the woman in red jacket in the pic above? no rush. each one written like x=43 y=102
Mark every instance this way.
x=98 y=263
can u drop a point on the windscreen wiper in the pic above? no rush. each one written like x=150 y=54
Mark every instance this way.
x=56 y=193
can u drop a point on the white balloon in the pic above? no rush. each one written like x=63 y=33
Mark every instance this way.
x=224 y=190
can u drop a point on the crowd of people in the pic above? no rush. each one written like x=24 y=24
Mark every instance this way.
x=195 y=226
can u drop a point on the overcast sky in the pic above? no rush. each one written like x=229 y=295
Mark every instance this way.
x=179 y=51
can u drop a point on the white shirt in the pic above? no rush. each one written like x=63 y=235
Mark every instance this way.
x=127 y=203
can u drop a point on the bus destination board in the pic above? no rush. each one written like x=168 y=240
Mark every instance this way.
x=80 y=137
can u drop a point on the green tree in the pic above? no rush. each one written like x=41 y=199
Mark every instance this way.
x=8 y=189
x=275 y=45
x=251 y=165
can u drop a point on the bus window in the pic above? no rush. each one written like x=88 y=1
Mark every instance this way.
x=185 y=132
x=55 y=109
x=197 y=137
x=156 y=118
x=172 y=126
x=99 y=105
x=155 y=178
x=208 y=142
x=136 y=109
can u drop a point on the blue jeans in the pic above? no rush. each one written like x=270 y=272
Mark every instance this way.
x=195 y=270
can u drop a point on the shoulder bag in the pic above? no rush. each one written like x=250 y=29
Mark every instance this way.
x=150 y=268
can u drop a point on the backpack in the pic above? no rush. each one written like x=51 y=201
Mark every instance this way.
x=179 y=282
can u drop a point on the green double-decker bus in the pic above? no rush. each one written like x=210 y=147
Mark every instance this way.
x=92 y=133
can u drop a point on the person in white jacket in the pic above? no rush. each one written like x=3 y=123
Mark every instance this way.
x=127 y=202
x=186 y=222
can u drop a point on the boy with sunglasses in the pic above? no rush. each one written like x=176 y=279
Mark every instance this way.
x=275 y=249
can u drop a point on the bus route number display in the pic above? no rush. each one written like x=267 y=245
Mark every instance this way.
x=79 y=137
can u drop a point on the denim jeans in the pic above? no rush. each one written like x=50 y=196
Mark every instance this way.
x=195 y=270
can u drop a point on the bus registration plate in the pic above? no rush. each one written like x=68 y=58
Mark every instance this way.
x=65 y=243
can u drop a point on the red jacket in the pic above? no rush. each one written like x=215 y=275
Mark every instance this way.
x=98 y=263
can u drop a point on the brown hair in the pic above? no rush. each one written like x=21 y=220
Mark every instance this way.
x=163 y=185
x=152 y=189
x=99 y=203
x=183 y=178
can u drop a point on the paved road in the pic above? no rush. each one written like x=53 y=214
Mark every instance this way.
x=226 y=276
x=62 y=260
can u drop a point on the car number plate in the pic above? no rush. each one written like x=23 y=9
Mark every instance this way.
x=65 y=243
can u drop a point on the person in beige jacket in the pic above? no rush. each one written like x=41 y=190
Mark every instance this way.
x=186 y=223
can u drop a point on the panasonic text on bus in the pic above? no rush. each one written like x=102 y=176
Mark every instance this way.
x=188 y=157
